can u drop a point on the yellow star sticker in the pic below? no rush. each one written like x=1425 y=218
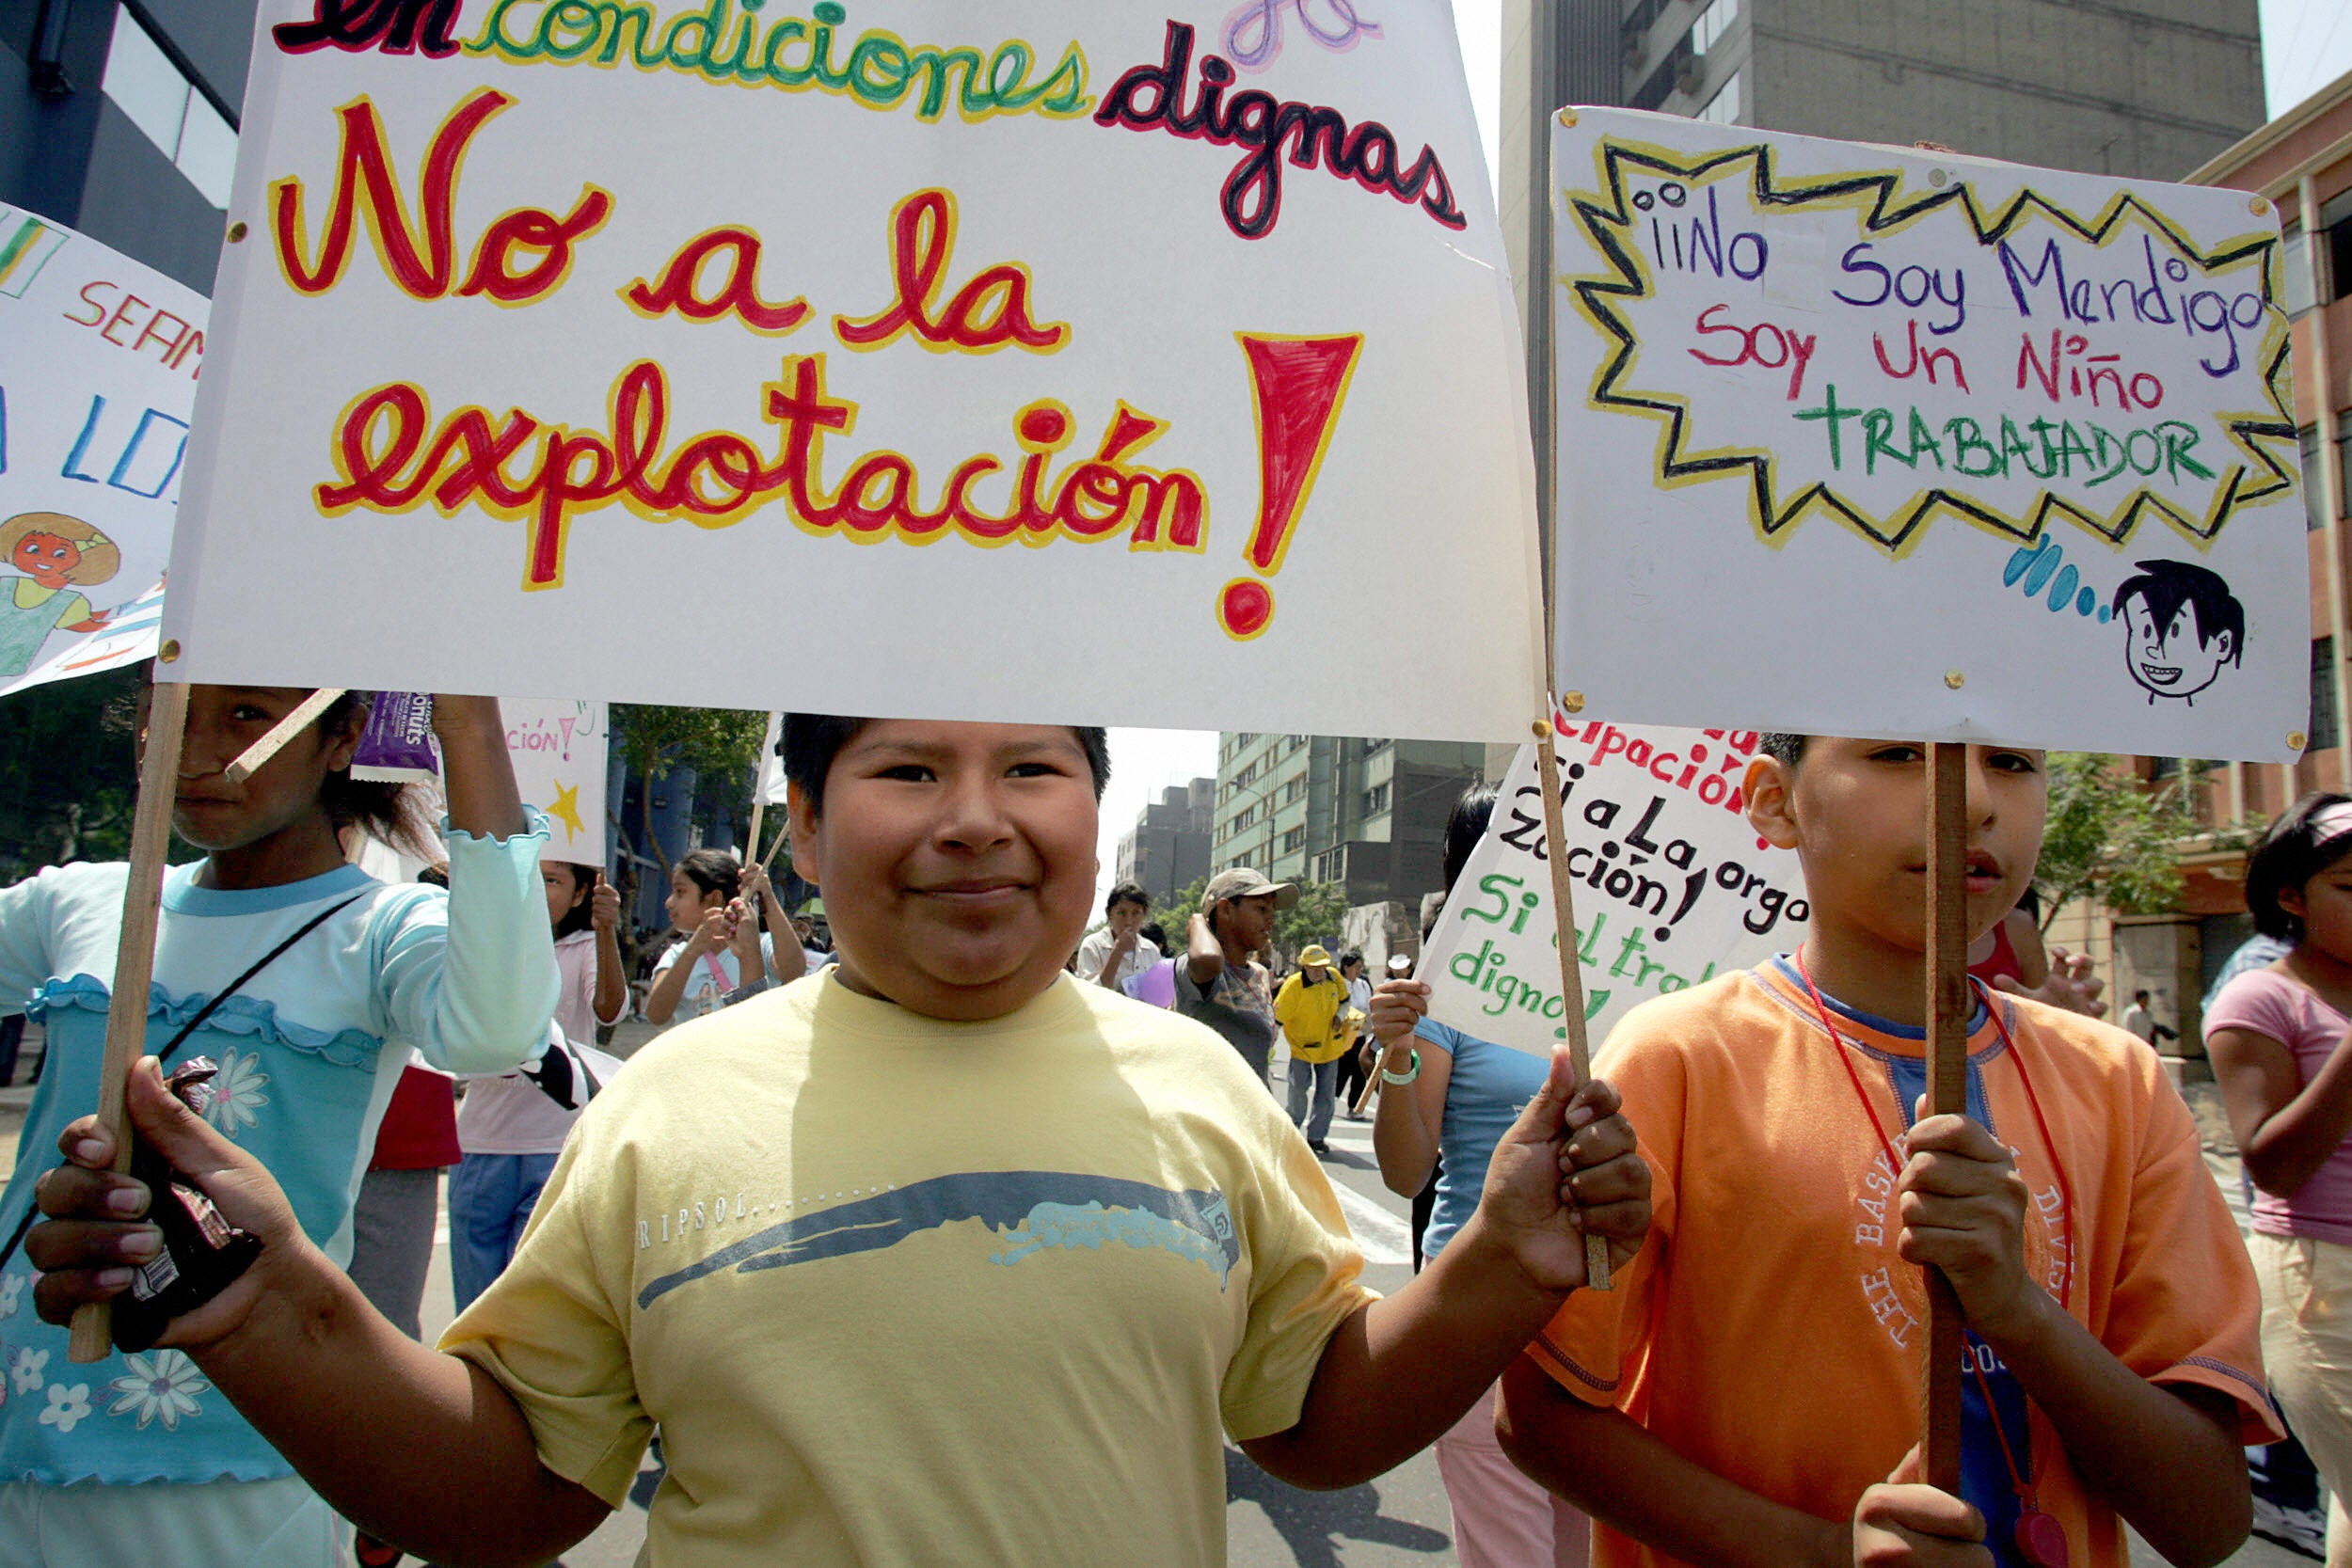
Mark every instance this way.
x=567 y=810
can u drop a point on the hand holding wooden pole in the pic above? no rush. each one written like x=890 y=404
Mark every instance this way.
x=1949 y=1006
x=1571 y=970
x=135 y=960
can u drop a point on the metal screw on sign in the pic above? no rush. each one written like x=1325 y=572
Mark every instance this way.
x=169 y=652
x=237 y=231
x=2259 y=205
x=2296 y=740
x=1938 y=178
x=1954 y=679
x=1572 y=702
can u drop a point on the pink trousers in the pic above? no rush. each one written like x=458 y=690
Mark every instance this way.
x=1500 y=1519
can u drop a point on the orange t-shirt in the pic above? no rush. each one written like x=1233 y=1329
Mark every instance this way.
x=1769 y=1331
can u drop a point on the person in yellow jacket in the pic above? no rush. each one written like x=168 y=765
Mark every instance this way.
x=1311 y=1007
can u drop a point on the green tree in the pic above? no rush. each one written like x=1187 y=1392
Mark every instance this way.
x=721 y=745
x=1321 y=910
x=2109 y=840
x=69 y=772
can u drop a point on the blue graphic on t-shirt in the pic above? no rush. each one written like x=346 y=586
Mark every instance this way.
x=1032 y=1209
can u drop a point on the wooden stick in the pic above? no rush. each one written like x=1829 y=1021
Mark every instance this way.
x=257 y=755
x=773 y=849
x=1949 y=1008
x=135 y=960
x=1571 y=968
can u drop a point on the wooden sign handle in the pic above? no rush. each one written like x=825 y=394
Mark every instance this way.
x=1571 y=970
x=1949 y=1008
x=135 y=959
x=256 y=757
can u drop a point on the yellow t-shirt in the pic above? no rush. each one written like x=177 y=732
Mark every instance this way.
x=1769 y=1331
x=901 y=1290
x=1310 y=1017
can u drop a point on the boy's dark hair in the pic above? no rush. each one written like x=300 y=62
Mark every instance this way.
x=2167 y=585
x=812 y=740
x=1466 y=827
x=582 y=915
x=712 y=870
x=2295 y=849
x=1786 y=750
x=1353 y=956
x=1151 y=932
x=393 y=814
x=1127 y=893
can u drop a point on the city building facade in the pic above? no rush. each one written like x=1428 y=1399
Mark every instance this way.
x=1167 y=848
x=118 y=117
x=2302 y=161
x=1365 y=813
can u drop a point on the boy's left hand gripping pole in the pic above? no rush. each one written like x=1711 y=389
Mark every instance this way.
x=134 y=958
x=1597 y=1268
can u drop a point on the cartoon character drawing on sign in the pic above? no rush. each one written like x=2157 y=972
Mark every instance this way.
x=2180 y=626
x=51 y=551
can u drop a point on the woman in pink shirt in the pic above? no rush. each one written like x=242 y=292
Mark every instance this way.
x=2277 y=1036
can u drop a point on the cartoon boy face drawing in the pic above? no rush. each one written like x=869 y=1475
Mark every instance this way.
x=2181 y=625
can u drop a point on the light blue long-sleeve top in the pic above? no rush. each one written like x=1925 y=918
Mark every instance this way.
x=309 y=1051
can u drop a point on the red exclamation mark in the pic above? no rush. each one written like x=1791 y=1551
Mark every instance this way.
x=1299 y=384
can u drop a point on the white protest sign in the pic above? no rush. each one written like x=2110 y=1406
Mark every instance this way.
x=1673 y=887
x=981 y=335
x=98 y=363
x=1868 y=440
x=769 y=789
x=559 y=749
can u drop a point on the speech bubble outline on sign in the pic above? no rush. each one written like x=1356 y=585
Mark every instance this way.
x=1660 y=222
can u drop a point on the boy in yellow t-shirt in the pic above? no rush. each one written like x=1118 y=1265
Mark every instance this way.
x=1309 y=1009
x=1749 y=1395
x=939 y=1256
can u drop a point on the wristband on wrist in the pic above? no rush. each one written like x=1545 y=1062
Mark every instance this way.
x=1407 y=1076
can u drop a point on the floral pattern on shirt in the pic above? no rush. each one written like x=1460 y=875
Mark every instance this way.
x=237 y=1092
x=161 y=1388
x=11 y=1290
x=68 y=1405
x=25 y=1366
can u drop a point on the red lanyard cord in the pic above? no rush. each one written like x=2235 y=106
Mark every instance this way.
x=2018 y=1481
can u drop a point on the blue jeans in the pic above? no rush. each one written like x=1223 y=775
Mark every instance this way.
x=1320 y=1078
x=490 y=1199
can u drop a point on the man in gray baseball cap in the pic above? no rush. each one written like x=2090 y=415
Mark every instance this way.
x=1220 y=982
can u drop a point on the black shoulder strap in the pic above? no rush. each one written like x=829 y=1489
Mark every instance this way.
x=16 y=1236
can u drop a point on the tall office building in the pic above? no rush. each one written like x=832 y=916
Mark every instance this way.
x=1366 y=813
x=1167 y=848
x=2150 y=89
x=118 y=117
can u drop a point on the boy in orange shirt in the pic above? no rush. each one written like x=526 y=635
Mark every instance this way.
x=1749 y=1393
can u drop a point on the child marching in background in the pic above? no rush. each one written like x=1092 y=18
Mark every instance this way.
x=723 y=948
x=1749 y=1392
x=2277 y=1036
x=510 y=1128
x=319 y=980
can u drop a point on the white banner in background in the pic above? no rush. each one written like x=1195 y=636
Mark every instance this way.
x=559 y=749
x=1029 y=325
x=1673 y=887
x=98 y=361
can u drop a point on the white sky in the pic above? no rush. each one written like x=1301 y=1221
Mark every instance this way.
x=2305 y=45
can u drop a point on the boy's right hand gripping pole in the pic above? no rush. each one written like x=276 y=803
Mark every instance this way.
x=1947 y=1086
x=1572 y=973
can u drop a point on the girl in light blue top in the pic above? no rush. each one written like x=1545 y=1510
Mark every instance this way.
x=135 y=1460
x=1445 y=1091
